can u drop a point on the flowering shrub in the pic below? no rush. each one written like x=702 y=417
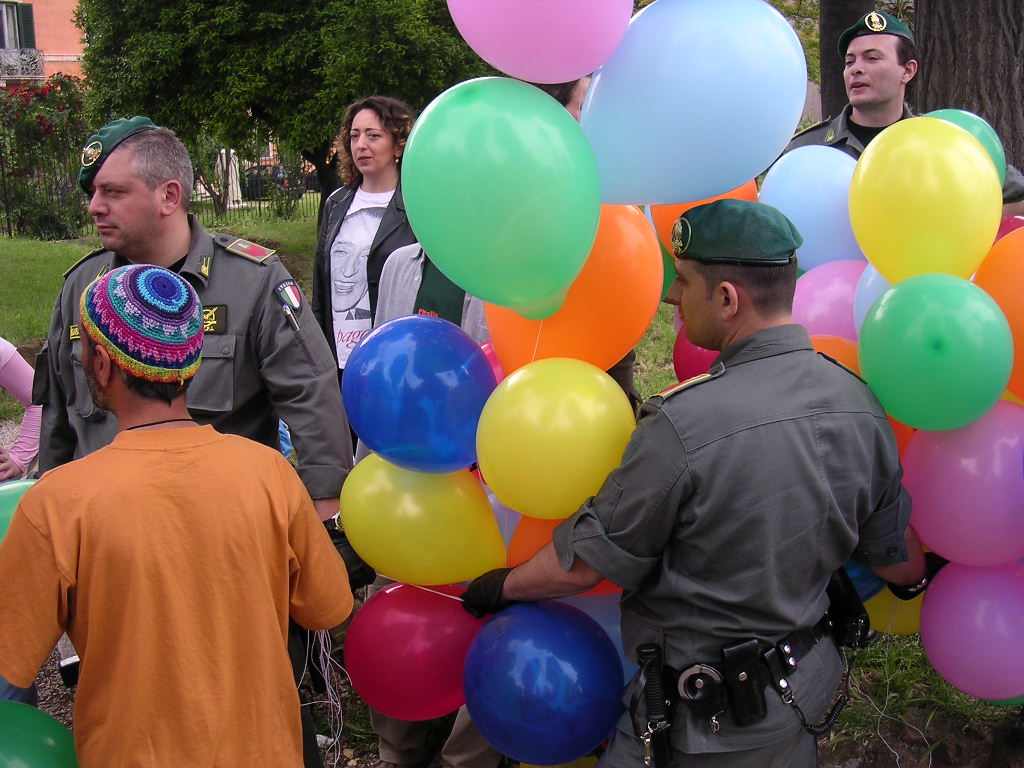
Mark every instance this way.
x=42 y=128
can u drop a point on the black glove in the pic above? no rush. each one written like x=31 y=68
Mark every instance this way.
x=484 y=593
x=933 y=563
x=359 y=573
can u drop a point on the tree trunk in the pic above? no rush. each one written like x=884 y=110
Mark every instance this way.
x=326 y=163
x=835 y=16
x=972 y=57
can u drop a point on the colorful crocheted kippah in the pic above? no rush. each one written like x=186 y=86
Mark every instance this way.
x=149 y=320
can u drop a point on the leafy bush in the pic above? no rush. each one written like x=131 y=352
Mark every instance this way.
x=42 y=128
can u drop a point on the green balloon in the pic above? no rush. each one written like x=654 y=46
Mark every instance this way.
x=937 y=351
x=668 y=262
x=30 y=738
x=1014 y=702
x=10 y=494
x=980 y=130
x=501 y=187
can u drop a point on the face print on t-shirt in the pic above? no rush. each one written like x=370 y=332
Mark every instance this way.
x=348 y=276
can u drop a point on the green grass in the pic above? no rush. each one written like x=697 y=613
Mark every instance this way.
x=30 y=277
x=895 y=690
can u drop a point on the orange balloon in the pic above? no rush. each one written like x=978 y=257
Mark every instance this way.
x=903 y=433
x=845 y=351
x=665 y=216
x=1001 y=275
x=839 y=349
x=531 y=535
x=608 y=308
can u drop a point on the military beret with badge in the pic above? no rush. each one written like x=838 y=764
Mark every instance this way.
x=736 y=232
x=874 y=23
x=99 y=146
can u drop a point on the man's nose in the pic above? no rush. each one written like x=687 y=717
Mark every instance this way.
x=674 y=293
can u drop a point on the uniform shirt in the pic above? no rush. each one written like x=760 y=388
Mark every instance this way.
x=173 y=559
x=836 y=133
x=737 y=497
x=256 y=367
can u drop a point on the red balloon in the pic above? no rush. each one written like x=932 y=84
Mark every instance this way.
x=689 y=359
x=405 y=650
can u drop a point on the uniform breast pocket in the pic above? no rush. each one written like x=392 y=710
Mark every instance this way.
x=212 y=390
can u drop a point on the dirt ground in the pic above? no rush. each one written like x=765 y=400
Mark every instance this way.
x=897 y=745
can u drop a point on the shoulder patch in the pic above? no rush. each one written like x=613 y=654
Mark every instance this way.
x=844 y=367
x=82 y=261
x=691 y=382
x=240 y=247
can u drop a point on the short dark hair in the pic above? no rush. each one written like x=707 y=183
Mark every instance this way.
x=394 y=115
x=905 y=51
x=165 y=391
x=560 y=92
x=159 y=156
x=770 y=288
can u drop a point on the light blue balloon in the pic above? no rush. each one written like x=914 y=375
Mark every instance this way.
x=811 y=185
x=870 y=288
x=700 y=97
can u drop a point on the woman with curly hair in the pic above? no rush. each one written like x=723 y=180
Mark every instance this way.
x=363 y=221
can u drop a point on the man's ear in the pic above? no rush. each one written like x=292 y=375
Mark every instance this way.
x=909 y=71
x=170 y=197
x=103 y=367
x=728 y=300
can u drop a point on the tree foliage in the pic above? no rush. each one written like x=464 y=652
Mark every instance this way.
x=230 y=69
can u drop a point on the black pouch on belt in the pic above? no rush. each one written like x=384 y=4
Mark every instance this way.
x=741 y=668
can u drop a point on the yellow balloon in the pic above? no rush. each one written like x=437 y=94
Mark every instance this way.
x=583 y=762
x=925 y=197
x=550 y=434
x=418 y=527
x=894 y=616
x=1008 y=395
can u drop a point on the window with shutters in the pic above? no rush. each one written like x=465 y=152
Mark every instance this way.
x=9 y=37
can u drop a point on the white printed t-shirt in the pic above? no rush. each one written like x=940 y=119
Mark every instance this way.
x=350 y=295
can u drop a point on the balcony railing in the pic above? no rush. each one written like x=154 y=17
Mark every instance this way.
x=21 y=64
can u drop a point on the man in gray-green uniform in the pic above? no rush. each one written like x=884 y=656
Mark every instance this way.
x=263 y=358
x=740 y=493
x=881 y=60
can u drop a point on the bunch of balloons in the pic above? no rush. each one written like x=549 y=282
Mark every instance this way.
x=534 y=213
x=934 y=322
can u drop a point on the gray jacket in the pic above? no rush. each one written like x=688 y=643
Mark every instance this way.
x=256 y=367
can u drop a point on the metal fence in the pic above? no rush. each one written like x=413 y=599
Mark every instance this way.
x=39 y=186
x=41 y=199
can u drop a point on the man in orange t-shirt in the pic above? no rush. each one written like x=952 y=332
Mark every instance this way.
x=173 y=558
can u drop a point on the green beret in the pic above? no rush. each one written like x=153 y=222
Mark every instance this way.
x=735 y=232
x=874 y=23
x=99 y=146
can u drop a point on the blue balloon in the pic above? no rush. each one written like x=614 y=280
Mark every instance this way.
x=811 y=185
x=864 y=580
x=543 y=683
x=700 y=97
x=870 y=288
x=604 y=609
x=413 y=391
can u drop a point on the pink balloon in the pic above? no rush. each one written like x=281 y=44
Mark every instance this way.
x=968 y=488
x=543 y=41
x=492 y=357
x=689 y=359
x=972 y=621
x=405 y=650
x=823 y=303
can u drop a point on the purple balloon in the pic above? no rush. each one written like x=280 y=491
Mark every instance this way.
x=823 y=303
x=972 y=621
x=968 y=488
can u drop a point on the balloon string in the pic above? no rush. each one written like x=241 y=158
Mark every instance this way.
x=435 y=592
x=536 y=345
